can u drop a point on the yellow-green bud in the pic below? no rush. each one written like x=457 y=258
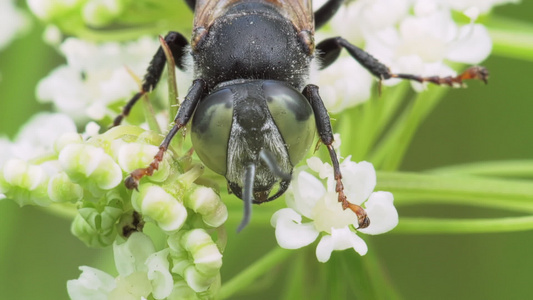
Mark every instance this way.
x=206 y=202
x=24 y=183
x=155 y=203
x=62 y=189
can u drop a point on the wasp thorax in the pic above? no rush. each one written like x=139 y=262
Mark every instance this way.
x=242 y=119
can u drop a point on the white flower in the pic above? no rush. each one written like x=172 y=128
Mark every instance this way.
x=12 y=22
x=420 y=42
x=415 y=36
x=142 y=271
x=92 y=284
x=96 y=76
x=338 y=89
x=36 y=138
x=38 y=135
x=315 y=211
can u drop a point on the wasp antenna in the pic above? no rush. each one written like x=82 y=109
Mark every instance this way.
x=247 y=195
x=271 y=162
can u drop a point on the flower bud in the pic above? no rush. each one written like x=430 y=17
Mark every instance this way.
x=24 y=183
x=181 y=291
x=205 y=201
x=132 y=156
x=66 y=139
x=196 y=258
x=90 y=167
x=94 y=228
x=62 y=189
x=155 y=203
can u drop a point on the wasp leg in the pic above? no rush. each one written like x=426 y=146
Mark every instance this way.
x=247 y=196
x=326 y=12
x=325 y=133
x=177 y=44
x=196 y=92
x=329 y=50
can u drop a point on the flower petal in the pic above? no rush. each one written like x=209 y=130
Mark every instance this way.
x=324 y=248
x=323 y=169
x=472 y=46
x=290 y=232
x=92 y=284
x=340 y=239
x=305 y=191
x=159 y=275
x=382 y=213
x=328 y=213
x=131 y=255
x=359 y=180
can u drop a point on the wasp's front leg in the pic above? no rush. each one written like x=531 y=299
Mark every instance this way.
x=325 y=133
x=196 y=92
x=177 y=44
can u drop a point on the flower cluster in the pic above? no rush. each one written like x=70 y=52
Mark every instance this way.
x=410 y=36
x=97 y=76
x=89 y=174
x=313 y=210
x=143 y=271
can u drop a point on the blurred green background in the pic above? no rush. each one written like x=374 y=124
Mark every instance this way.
x=38 y=253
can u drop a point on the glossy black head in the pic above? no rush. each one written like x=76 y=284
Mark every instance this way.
x=264 y=123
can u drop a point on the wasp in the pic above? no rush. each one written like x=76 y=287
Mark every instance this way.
x=254 y=115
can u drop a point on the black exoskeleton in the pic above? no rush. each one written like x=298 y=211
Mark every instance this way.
x=254 y=115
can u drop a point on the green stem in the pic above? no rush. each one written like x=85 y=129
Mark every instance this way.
x=513 y=168
x=471 y=189
x=173 y=103
x=149 y=114
x=511 y=38
x=250 y=274
x=390 y=152
x=295 y=285
x=462 y=226
x=370 y=119
x=63 y=210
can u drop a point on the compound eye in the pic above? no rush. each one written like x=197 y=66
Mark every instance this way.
x=293 y=116
x=211 y=127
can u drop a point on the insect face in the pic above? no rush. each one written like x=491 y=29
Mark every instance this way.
x=242 y=119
